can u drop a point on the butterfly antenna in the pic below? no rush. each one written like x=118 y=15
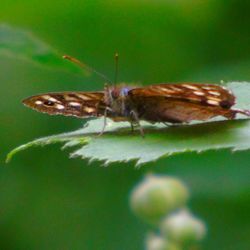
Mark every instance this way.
x=116 y=67
x=86 y=67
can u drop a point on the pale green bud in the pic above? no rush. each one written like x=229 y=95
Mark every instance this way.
x=183 y=228
x=155 y=242
x=156 y=196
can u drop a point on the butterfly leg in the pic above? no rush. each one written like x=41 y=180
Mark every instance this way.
x=135 y=118
x=132 y=127
x=104 y=121
x=242 y=111
x=231 y=114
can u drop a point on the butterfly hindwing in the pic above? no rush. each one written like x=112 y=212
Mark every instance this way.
x=79 y=104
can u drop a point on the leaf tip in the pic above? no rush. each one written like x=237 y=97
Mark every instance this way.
x=8 y=158
x=12 y=153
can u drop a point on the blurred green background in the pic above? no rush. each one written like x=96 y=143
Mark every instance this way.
x=48 y=201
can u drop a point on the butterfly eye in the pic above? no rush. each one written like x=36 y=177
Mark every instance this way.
x=115 y=94
x=124 y=91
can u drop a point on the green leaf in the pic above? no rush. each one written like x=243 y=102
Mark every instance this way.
x=23 y=45
x=119 y=144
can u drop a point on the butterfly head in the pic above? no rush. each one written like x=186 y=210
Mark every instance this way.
x=116 y=99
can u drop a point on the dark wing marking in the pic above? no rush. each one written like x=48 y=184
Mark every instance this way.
x=205 y=94
x=79 y=104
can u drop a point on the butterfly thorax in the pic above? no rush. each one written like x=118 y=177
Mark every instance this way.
x=117 y=100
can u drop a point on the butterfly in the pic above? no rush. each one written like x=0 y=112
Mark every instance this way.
x=167 y=103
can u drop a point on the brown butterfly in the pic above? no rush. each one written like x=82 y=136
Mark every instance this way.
x=167 y=103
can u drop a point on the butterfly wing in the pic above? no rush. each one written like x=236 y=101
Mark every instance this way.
x=178 y=103
x=205 y=94
x=79 y=104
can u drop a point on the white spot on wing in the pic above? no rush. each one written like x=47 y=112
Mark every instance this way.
x=212 y=102
x=165 y=90
x=52 y=99
x=38 y=102
x=59 y=106
x=214 y=99
x=84 y=97
x=190 y=87
x=74 y=104
x=46 y=97
x=175 y=88
x=199 y=93
x=69 y=98
x=92 y=96
x=206 y=87
x=89 y=109
x=214 y=93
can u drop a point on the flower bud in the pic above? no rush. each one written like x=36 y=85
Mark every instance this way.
x=156 y=196
x=155 y=242
x=183 y=228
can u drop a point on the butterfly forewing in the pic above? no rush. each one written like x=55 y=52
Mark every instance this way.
x=79 y=104
x=185 y=102
x=204 y=94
